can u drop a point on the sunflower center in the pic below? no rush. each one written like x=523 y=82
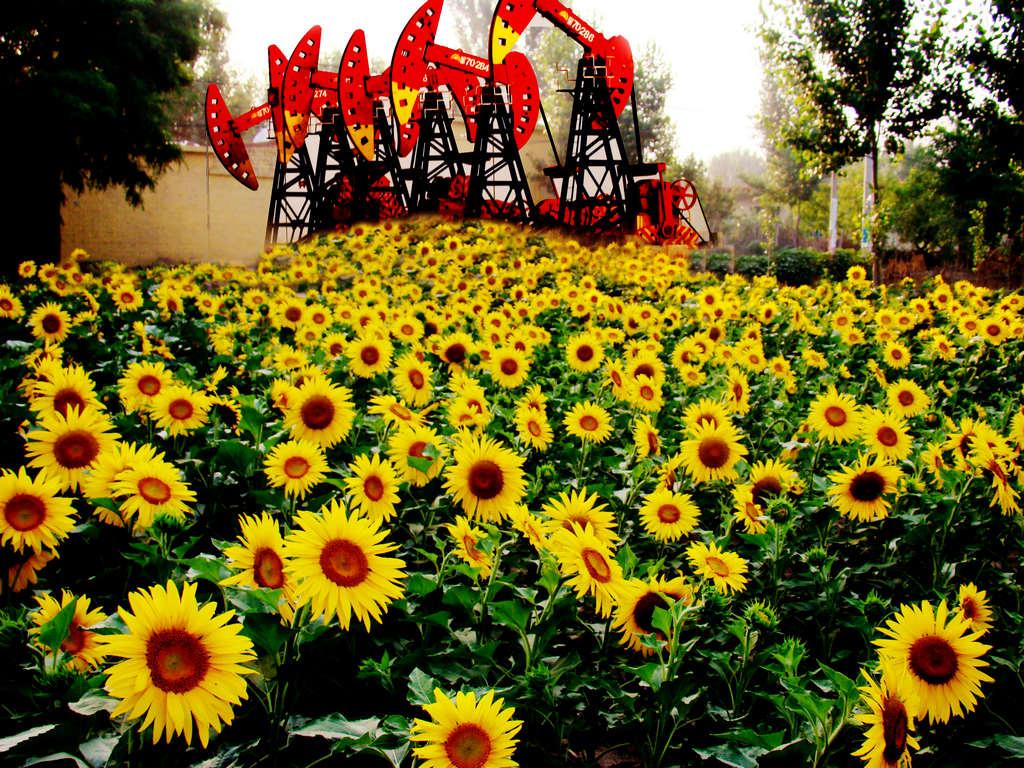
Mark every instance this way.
x=906 y=397
x=75 y=641
x=485 y=479
x=718 y=566
x=713 y=452
x=867 y=486
x=534 y=428
x=154 y=490
x=177 y=661
x=370 y=355
x=181 y=409
x=896 y=354
x=24 y=512
x=668 y=513
x=969 y=608
x=737 y=392
x=293 y=314
x=6 y=304
x=835 y=416
x=933 y=660
x=296 y=467
x=76 y=449
x=51 y=323
x=344 y=563
x=646 y=392
x=373 y=487
x=894 y=729
x=401 y=412
x=993 y=330
x=468 y=746
x=585 y=353
x=596 y=565
x=644 y=369
x=456 y=353
x=589 y=423
x=336 y=349
x=643 y=611
x=470 y=545
x=887 y=436
x=127 y=298
x=509 y=366
x=317 y=412
x=267 y=568
x=416 y=379
x=67 y=398
x=766 y=488
x=652 y=442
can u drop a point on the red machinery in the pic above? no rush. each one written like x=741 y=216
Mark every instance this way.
x=358 y=173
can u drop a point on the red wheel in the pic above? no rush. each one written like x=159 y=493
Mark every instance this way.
x=684 y=193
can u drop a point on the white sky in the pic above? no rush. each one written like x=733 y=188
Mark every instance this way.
x=711 y=45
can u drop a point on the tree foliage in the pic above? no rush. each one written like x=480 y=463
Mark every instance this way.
x=95 y=83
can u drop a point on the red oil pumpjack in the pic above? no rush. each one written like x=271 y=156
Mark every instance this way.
x=365 y=123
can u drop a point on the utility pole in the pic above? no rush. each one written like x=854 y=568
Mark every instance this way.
x=833 y=215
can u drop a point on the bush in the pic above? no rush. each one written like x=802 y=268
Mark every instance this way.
x=719 y=263
x=837 y=263
x=755 y=248
x=753 y=265
x=797 y=266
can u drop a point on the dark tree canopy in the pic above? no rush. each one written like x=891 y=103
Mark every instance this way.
x=91 y=83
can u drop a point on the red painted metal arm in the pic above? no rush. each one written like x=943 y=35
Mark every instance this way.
x=253 y=117
x=573 y=26
x=226 y=140
x=325 y=79
x=462 y=61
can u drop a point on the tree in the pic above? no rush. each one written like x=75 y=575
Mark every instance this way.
x=91 y=84
x=863 y=77
x=241 y=91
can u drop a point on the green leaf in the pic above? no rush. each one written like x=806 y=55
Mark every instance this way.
x=661 y=620
x=57 y=757
x=92 y=702
x=652 y=673
x=421 y=688
x=266 y=630
x=766 y=741
x=254 y=599
x=419 y=584
x=13 y=741
x=731 y=754
x=55 y=631
x=252 y=421
x=394 y=756
x=511 y=613
x=627 y=560
x=237 y=455
x=97 y=751
x=206 y=567
x=337 y=728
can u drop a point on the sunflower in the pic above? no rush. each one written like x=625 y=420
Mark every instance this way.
x=320 y=411
x=338 y=561
x=589 y=422
x=66 y=388
x=25 y=572
x=65 y=447
x=646 y=439
x=725 y=569
x=859 y=491
x=373 y=486
x=394 y=411
x=584 y=352
x=896 y=354
x=259 y=560
x=668 y=515
x=411 y=377
x=528 y=524
x=456 y=348
x=533 y=428
x=737 y=392
x=369 y=355
x=711 y=452
x=486 y=478
x=706 y=411
x=634 y=612
x=466 y=733
x=466 y=539
x=11 y=307
x=417 y=453
x=295 y=465
x=974 y=608
x=747 y=510
x=34 y=516
x=84 y=647
x=835 y=417
x=182 y=663
x=152 y=487
x=590 y=565
x=770 y=479
x=885 y=435
x=180 y=409
x=576 y=508
x=906 y=398
x=644 y=393
x=126 y=297
x=891 y=705
x=50 y=322
x=941 y=657
x=509 y=367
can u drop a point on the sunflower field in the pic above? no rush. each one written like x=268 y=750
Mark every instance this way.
x=471 y=495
